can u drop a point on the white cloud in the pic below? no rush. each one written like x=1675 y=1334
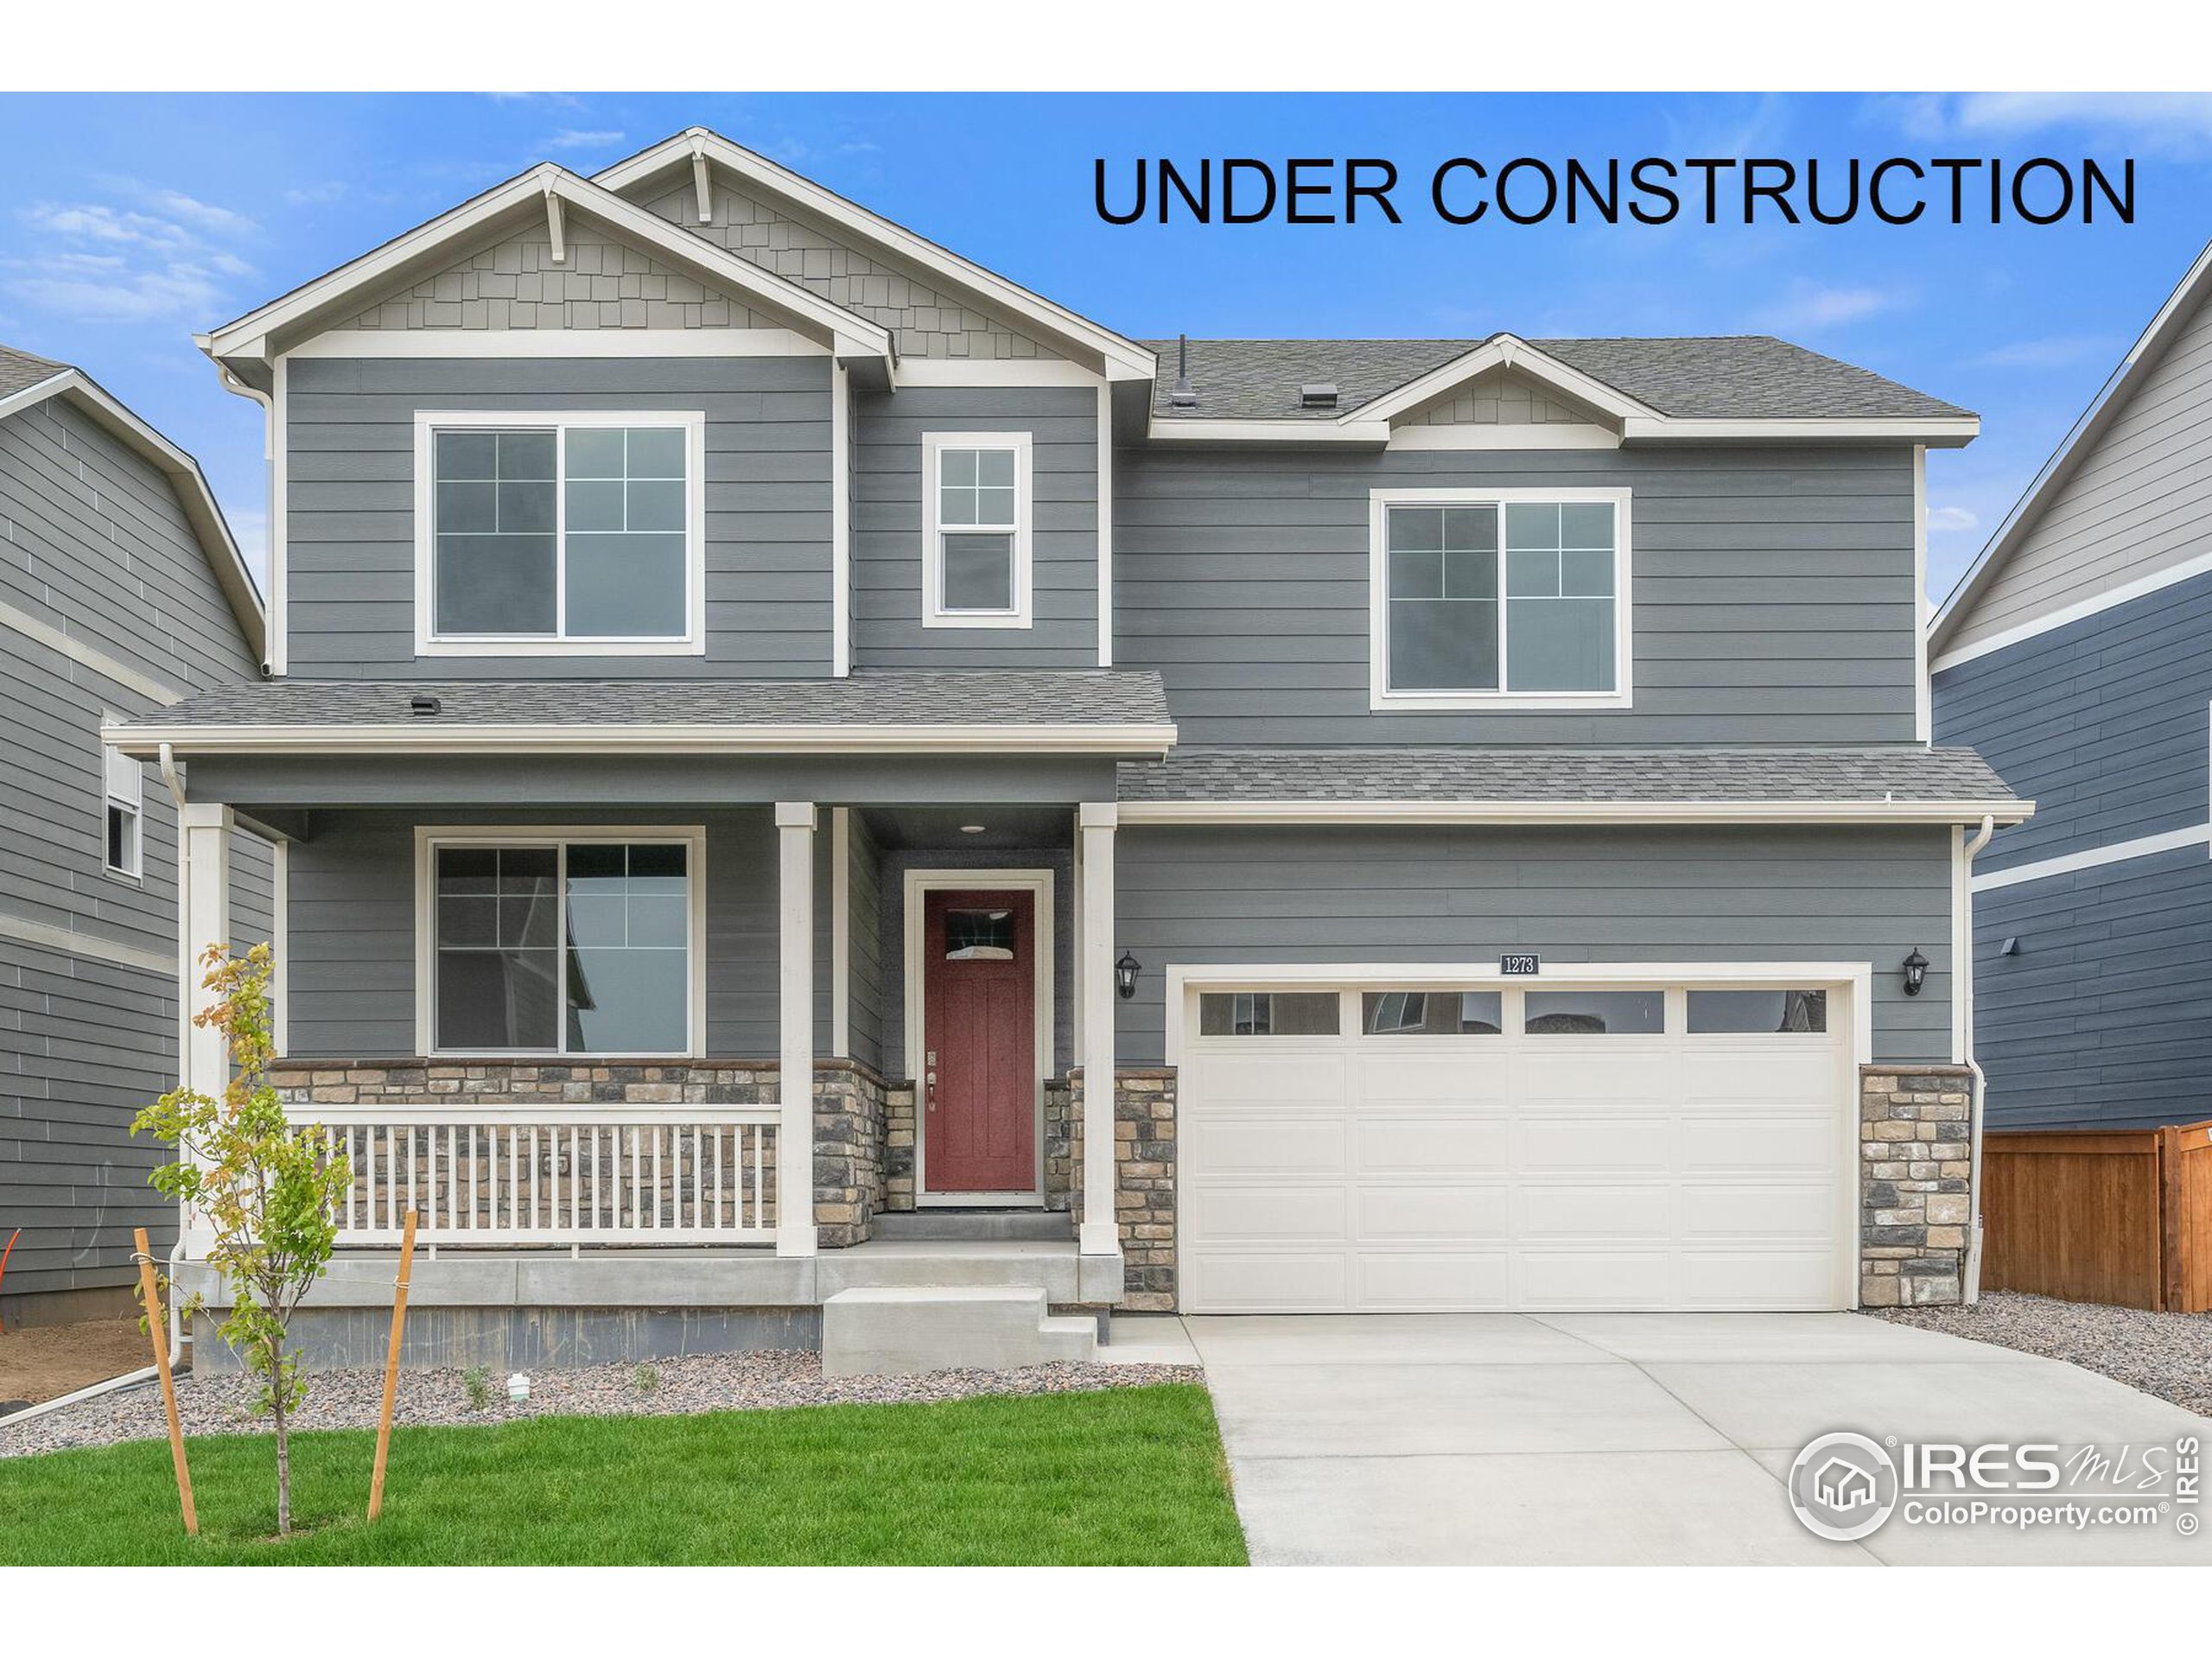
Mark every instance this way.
x=97 y=261
x=1810 y=305
x=2168 y=122
x=315 y=196
x=1946 y=521
x=2054 y=351
x=571 y=138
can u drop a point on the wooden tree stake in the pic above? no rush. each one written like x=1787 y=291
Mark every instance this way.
x=156 y=1327
x=391 y=1365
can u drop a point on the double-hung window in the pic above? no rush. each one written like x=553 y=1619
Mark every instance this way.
x=570 y=532
x=975 y=521
x=546 y=944
x=1504 y=598
x=123 y=798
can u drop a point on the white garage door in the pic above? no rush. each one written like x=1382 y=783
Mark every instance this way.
x=1403 y=1148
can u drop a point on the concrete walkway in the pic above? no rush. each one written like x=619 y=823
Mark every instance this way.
x=1634 y=1439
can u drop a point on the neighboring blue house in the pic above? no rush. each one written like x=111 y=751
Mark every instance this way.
x=764 y=709
x=2076 y=656
x=121 y=594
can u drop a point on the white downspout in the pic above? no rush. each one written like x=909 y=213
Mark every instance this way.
x=1962 y=973
x=184 y=1015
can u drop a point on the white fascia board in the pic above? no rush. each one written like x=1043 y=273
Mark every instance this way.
x=2104 y=408
x=1937 y=432
x=995 y=371
x=1599 y=813
x=558 y=342
x=427 y=738
x=1122 y=359
x=248 y=336
x=1373 y=435
x=1500 y=351
x=201 y=511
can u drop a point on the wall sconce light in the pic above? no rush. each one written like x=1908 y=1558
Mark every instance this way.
x=1125 y=976
x=1916 y=972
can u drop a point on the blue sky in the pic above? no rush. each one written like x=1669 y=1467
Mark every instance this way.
x=164 y=215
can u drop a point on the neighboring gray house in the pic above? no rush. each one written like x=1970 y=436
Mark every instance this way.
x=2077 y=655
x=121 y=595
x=1474 y=796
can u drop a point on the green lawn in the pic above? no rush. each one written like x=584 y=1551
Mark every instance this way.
x=1121 y=1475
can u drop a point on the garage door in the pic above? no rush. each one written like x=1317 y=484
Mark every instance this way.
x=1408 y=1148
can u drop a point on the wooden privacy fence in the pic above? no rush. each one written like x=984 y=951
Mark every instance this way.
x=2122 y=1217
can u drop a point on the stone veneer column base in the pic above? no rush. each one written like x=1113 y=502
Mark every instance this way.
x=1915 y=1125
x=1144 y=1160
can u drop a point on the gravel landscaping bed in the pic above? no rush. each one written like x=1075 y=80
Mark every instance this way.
x=348 y=1399
x=2169 y=1355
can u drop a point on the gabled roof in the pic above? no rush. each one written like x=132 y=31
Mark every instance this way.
x=1653 y=387
x=1013 y=710
x=2075 y=448
x=415 y=253
x=27 y=381
x=1119 y=357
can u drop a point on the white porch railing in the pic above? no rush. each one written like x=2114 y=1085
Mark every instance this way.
x=550 y=1175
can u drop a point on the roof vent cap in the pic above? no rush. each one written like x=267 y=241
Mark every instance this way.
x=1183 y=394
x=422 y=705
x=1323 y=396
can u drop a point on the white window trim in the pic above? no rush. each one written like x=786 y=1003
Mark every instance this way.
x=934 y=614
x=113 y=760
x=1382 y=697
x=430 y=643
x=429 y=837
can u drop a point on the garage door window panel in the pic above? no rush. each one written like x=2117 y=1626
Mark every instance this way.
x=1432 y=1013
x=1781 y=1013
x=1594 y=1013
x=1268 y=1013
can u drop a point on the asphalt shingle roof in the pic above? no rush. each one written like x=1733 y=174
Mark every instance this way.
x=1901 y=774
x=1017 y=696
x=19 y=370
x=1734 y=376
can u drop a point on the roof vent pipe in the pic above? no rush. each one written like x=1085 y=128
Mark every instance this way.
x=1318 y=396
x=1183 y=395
x=421 y=705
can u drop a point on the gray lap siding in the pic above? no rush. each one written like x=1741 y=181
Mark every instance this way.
x=1773 y=592
x=1239 y=895
x=2098 y=1021
x=350 y=519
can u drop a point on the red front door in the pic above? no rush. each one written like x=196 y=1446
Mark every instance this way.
x=979 y=1042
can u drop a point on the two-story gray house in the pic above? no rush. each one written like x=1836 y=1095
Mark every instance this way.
x=767 y=712
x=2073 y=655
x=122 y=594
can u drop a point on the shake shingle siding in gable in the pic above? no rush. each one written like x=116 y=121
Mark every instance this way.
x=1773 y=591
x=2140 y=502
x=2104 y=723
x=351 y=552
x=888 y=491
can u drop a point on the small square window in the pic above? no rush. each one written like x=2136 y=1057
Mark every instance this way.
x=123 y=781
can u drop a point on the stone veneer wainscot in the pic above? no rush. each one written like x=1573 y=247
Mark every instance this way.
x=1915 y=1128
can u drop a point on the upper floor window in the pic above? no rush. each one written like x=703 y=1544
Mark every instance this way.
x=123 y=799
x=976 y=530
x=569 y=533
x=1500 y=599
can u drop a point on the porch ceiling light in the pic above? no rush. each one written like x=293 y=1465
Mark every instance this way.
x=1916 y=972
x=972 y=829
x=1125 y=976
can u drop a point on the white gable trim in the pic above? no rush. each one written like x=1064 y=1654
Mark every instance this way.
x=1500 y=351
x=1122 y=359
x=558 y=342
x=2104 y=409
x=201 y=511
x=845 y=332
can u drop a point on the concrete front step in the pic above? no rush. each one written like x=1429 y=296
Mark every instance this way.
x=910 y=1225
x=1013 y=1263
x=905 y=1330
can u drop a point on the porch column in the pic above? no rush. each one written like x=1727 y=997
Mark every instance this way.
x=204 y=895
x=1099 y=1235
x=203 y=902
x=795 y=1234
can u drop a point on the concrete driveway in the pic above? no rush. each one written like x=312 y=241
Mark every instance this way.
x=1633 y=1439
